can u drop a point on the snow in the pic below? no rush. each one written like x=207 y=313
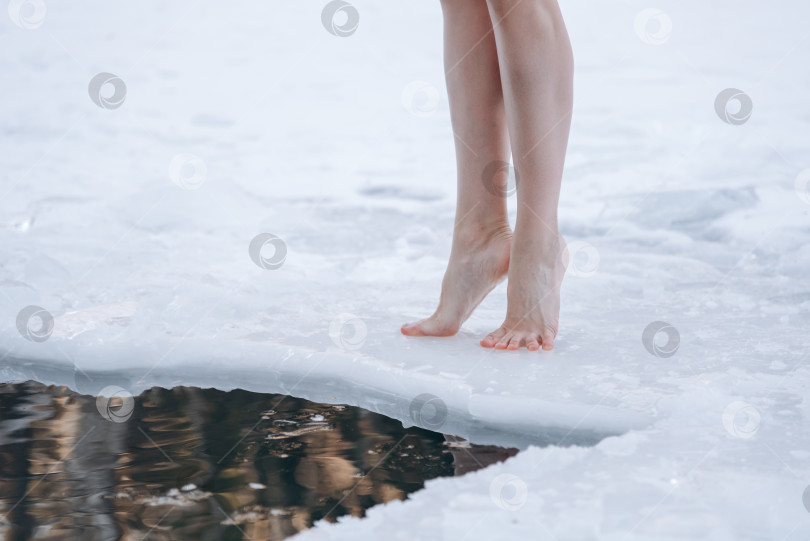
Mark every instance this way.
x=131 y=227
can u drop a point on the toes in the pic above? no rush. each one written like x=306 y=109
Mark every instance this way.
x=493 y=338
x=412 y=329
x=548 y=340
x=504 y=341
x=429 y=327
x=532 y=344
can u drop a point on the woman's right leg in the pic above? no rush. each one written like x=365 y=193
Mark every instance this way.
x=479 y=257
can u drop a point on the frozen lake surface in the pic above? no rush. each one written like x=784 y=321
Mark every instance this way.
x=130 y=225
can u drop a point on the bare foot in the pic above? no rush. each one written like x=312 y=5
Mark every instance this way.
x=479 y=260
x=533 y=296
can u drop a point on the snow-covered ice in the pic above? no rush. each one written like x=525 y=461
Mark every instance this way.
x=131 y=226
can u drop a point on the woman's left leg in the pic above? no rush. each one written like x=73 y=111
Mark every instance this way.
x=537 y=66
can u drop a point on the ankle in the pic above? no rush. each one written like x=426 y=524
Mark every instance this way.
x=478 y=232
x=545 y=244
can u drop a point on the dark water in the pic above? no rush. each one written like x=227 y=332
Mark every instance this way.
x=190 y=463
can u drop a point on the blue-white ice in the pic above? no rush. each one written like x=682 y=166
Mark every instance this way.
x=696 y=222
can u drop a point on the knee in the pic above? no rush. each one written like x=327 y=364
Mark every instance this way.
x=545 y=11
x=499 y=8
x=462 y=4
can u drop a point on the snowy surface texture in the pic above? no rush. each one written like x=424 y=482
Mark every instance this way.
x=129 y=222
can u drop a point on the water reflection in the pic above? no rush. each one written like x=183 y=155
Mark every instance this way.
x=204 y=464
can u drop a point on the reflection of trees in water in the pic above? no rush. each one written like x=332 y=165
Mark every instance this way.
x=204 y=464
x=56 y=462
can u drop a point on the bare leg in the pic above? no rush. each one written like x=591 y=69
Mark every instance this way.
x=479 y=258
x=537 y=65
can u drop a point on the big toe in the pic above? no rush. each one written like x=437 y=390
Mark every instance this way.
x=428 y=327
x=548 y=341
x=493 y=338
x=413 y=329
